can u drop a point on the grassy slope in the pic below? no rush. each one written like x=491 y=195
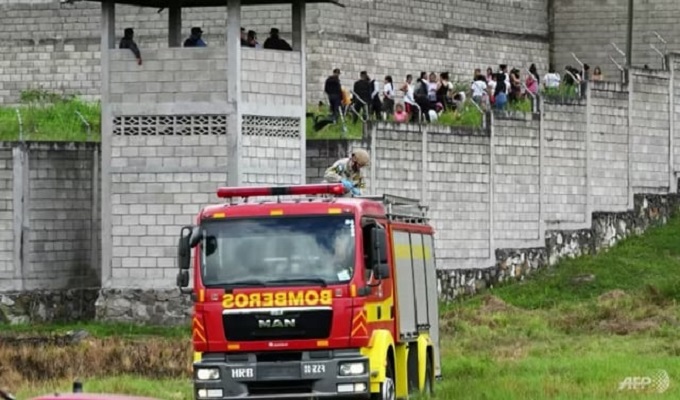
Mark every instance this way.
x=56 y=121
x=552 y=337
x=547 y=338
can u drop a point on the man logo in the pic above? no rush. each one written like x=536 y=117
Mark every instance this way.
x=276 y=323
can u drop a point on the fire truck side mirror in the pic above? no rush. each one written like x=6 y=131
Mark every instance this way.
x=378 y=258
x=184 y=248
x=183 y=278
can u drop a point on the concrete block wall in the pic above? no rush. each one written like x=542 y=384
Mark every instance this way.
x=49 y=216
x=157 y=186
x=517 y=181
x=271 y=77
x=565 y=174
x=321 y=154
x=6 y=219
x=50 y=46
x=57 y=45
x=398 y=162
x=609 y=141
x=169 y=75
x=61 y=207
x=271 y=159
x=457 y=186
x=587 y=28
x=650 y=131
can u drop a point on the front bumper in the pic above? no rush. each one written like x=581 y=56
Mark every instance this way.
x=282 y=375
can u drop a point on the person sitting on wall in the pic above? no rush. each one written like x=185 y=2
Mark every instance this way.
x=195 y=39
x=252 y=40
x=400 y=115
x=244 y=38
x=127 y=42
x=274 y=42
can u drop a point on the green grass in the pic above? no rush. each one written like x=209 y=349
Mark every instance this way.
x=169 y=389
x=554 y=338
x=98 y=329
x=523 y=105
x=50 y=117
x=350 y=130
x=635 y=265
x=469 y=116
x=561 y=93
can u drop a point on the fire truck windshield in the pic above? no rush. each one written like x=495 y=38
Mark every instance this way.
x=290 y=251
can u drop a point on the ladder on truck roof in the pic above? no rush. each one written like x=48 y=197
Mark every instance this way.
x=401 y=209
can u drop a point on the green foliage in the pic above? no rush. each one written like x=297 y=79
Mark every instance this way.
x=523 y=105
x=469 y=116
x=46 y=116
x=562 y=93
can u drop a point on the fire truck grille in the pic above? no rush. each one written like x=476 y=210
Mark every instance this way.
x=312 y=324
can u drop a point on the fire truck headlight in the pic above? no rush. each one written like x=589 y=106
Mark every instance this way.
x=207 y=374
x=352 y=368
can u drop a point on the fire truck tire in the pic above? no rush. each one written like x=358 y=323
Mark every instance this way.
x=428 y=388
x=388 y=390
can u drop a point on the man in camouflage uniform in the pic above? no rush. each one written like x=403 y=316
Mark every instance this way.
x=348 y=171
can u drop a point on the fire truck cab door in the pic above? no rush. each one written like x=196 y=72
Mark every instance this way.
x=380 y=289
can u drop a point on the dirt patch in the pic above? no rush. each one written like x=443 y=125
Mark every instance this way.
x=629 y=327
x=492 y=304
x=615 y=312
x=41 y=359
x=513 y=352
x=613 y=295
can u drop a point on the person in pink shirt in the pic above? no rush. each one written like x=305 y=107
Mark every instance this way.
x=399 y=114
x=532 y=80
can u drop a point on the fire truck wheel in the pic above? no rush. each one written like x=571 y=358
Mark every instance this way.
x=387 y=388
x=428 y=389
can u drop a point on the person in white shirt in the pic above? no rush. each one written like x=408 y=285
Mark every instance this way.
x=432 y=88
x=479 y=90
x=552 y=78
x=388 y=95
x=409 y=99
x=504 y=71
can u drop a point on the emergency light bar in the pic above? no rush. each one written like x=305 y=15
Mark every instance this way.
x=254 y=191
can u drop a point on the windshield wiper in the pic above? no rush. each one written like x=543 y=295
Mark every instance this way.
x=245 y=282
x=320 y=281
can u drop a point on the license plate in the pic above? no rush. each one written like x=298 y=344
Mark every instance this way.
x=247 y=373
x=313 y=369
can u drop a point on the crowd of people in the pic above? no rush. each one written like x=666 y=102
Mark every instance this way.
x=432 y=94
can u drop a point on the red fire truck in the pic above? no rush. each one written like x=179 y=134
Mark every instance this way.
x=316 y=295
